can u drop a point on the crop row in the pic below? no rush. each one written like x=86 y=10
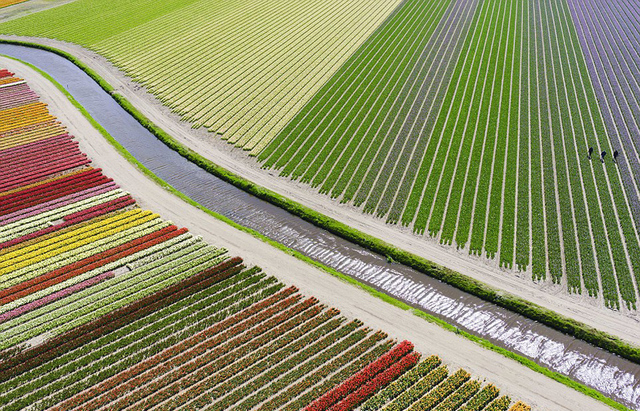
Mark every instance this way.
x=88 y=304
x=108 y=256
x=54 y=296
x=27 y=359
x=41 y=216
x=99 y=205
x=79 y=253
x=355 y=382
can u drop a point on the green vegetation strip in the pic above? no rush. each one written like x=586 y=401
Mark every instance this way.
x=465 y=283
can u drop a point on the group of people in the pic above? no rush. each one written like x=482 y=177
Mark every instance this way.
x=603 y=154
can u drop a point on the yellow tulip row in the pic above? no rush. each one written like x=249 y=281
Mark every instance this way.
x=40 y=131
x=73 y=239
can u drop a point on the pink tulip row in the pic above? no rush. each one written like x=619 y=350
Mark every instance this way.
x=55 y=296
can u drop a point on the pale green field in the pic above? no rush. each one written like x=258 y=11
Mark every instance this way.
x=241 y=68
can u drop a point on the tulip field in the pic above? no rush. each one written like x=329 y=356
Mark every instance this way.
x=467 y=121
x=107 y=306
x=242 y=75
x=474 y=126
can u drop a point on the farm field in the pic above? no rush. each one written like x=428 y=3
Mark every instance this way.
x=242 y=75
x=467 y=121
x=103 y=305
x=478 y=139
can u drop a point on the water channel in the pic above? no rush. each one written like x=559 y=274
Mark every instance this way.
x=615 y=377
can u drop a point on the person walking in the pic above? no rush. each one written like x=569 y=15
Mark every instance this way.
x=604 y=153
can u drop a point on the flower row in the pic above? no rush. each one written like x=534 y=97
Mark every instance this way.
x=280 y=299
x=107 y=296
x=136 y=339
x=339 y=377
x=401 y=384
x=378 y=382
x=212 y=355
x=277 y=367
x=353 y=383
x=324 y=366
x=308 y=368
x=54 y=296
x=67 y=200
x=47 y=216
x=87 y=250
x=415 y=392
x=73 y=239
x=90 y=263
x=443 y=390
x=78 y=217
x=100 y=326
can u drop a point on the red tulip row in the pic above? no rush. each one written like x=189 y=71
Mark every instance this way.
x=377 y=383
x=78 y=217
x=50 y=161
x=87 y=264
x=5 y=73
x=211 y=357
x=274 y=366
x=69 y=340
x=207 y=389
x=278 y=301
x=53 y=193
x=362 y=377
x=45 y=152
x=339 y=377
x=44 y=171
x=326 y=368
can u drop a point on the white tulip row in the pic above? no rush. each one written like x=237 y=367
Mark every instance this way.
x=43 y=220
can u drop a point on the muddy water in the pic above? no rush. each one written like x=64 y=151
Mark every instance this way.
x=615 y=377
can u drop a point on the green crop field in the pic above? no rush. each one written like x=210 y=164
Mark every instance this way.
x=241 y=68
x=473 y=126
x=466 y=120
